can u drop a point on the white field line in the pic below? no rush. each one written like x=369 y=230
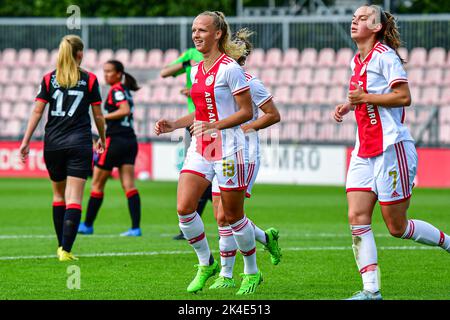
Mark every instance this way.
x=155 y=253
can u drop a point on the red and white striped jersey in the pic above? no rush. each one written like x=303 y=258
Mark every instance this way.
x=378 y=126
x=213 y=94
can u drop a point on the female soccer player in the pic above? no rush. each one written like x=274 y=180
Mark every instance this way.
x=69 y=91
x=261 y=99
x=384 y=162
x=121 y=148
x=222 y=103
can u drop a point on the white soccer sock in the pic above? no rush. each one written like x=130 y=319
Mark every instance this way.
x=423 y=232
x=193 y=229
x=260 y=235
x=228 y=248
x=244 y=234
x=365 y=251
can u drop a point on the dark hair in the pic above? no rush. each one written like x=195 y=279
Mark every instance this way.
x=130 y=81
x=389 y=33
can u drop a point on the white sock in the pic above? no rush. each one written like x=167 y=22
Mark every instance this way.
x=228 y=248
x=260 y=235
x=244 y=234
x=365 y=251
x=423 y=232
x=193 y=229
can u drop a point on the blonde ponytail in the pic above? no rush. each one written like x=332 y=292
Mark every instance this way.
x=230 y=48
x=242 y=36
x=67 y=69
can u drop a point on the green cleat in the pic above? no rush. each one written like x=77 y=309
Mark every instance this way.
x=366 y=295
x=223 y=282
x=249 y=283
x=203 y=274
x=272 y=245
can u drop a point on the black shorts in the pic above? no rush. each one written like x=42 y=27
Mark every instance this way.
x=119 y=150
x=74 y=162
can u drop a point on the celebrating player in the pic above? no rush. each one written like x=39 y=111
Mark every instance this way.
x=183 y=65
x=69 y=91
x=384 y=162
x=121 y=148
x=222 y=103
x=261 y=99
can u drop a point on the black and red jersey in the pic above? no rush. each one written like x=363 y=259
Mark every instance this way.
x=117 y=95
x=68 y=123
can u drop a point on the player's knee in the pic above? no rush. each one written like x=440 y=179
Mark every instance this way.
x=185 y=208
x=396 y=230
x=358 y=217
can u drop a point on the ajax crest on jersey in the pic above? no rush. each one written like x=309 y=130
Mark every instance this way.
x=209 y=80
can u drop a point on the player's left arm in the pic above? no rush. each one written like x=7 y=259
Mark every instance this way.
x=270 y=117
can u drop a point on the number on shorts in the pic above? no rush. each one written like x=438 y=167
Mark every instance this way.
x=228 y=168
x=394 y=174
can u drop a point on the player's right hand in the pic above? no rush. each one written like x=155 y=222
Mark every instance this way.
x=163 y=126
x=100 y=146
x=340 y=111
x=186 y=92
x=24 y=150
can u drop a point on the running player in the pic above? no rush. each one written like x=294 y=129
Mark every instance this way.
x=222 y=103
x=182 y=65
x=384 y=162
x=121 y=148
x=261 y=99
x=69 y=91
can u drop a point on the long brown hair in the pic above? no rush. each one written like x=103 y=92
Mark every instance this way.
x=389 y=33
x=67 y=69
x=230 y=48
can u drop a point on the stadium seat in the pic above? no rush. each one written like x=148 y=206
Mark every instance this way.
x=18 y=75
x=304 y=76
x=445 y=80
x=13 y=128
x=436 y=57
x=27 y=94
x=445 y=97
x=336 y=95
x=318 y=95
x=430 y=96
x=291 y=58
x=269 y=76
x=273 y=57
x=25 y=57
x=415 y=91
x=170 y=55
x=155 y=59
x=138 y=59
x=5 y=110
x=341 y=76
x=123 y=55
x=327 y=58
x=10 y=93
x=54 y=57
x=286 y=76
x=159 y=95
x=444 y=114
x=344 y=57
x=139 y=113
x=322 y=76
x=299 y=95
x=143 y=95
x=403 y=52
x=40 y=58
x=434 y=76
x=9 y=57
x=282 y=95
x=418 y=57
x=34 y=76
x=256 y=58
x=21 y=111
x=103 y=56
x=308 y=57
x=416 y=76
x=4 y=75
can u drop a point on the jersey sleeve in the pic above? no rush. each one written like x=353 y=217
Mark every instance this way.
x=259 y=93
x=235 y=78
x=183 y=58
x=94 y=95
x=43 y=92
x=118 y=97
x=392 y=69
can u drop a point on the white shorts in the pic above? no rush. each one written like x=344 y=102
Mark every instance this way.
x=252 y=172
x=230 y=171
x=390 y=175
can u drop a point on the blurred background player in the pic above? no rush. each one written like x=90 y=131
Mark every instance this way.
x=68 y=153
x=183 y=65
x=222 y=103
x=261 y=99
x=384 y=162
x=121 y=148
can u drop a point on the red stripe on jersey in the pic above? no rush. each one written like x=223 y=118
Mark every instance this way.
x=388 y=203
x=400 y=166
x=265 y=101
x=399 y=80
x=241 y=90
x=358 y=189
x=193 y=172
x=47 y=78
